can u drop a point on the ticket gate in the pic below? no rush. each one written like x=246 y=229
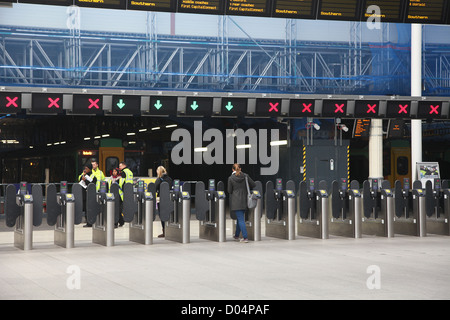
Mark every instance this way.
x=435 y=206
x=280 y=210
x=378 y=204
x=346 y=209
x=101 y=211
x=64 y=212
x=253 y=216
x=175 y=210
x=410 y=217
x=139 y=210
x=314 y=210
x=23 y=211
x=210 y=210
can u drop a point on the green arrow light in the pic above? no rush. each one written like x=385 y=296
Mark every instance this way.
x=194 y=105
x=121 y=104
x=229 y=106
x=158 y=104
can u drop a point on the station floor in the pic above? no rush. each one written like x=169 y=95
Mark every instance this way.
x=403 y=267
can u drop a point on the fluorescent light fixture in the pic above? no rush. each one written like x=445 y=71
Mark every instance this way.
x=142 y=130
x=131 y=133
x=156 y=128
x=63 y=142
x=105 y=135
x=87 y=138
x=49 y=144
x=132 y=142
x=200 y=149
x=243 y=146
x=31 y=147
x=171 y=126
x=97 y=137
x=278 y=143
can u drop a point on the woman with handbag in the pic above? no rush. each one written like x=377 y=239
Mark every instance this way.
x=239 y=185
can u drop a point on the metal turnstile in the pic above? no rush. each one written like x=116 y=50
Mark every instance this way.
x=23 y=211
x=176 y=205
x=253 y=216
x=346 y=209
x=280 y=210
x=101 y=211
x=210 y=210
x=379 y=209
x=64 y=212
x=314 y=210
x=139 y=210
x=437 y=216
x=410 y=216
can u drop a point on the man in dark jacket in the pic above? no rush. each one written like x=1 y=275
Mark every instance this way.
x=237 y=190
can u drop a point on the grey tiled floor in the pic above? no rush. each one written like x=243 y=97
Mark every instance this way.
x=304 y=268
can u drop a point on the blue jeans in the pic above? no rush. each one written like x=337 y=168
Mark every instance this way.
x=240 y=225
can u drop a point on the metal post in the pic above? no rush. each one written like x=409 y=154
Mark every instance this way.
x=291 y=218
x=148 y=222
x=186 y=238
x=221 y=223
x=416 y=91
x=110 y=206
x=422 y=217
x=28 y=227
x=390 y=210
x=357 y=217
x=325 y=217
x=257 y=220
x=70 y=224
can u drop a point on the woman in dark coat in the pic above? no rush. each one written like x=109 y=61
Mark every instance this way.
x=237 y=190
x=162 y=177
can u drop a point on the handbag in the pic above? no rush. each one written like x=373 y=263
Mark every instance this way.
x=251 y=200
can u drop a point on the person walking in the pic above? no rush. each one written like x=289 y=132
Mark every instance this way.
x=237 y=190
x=117 y=178
x=162 y=176
x=84 y=179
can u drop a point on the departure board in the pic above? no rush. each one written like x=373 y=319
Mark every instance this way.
x=201 y=6
x=385 y=10
x=425 y=11
x=49 y=2
x=259 y=8
x=339 y=9
x=109 y=4
x=152 y=5
x=296 y=9
x=361 y=128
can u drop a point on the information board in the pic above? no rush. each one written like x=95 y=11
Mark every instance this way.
x=426 y=11
x=201 y=6
x=107 y=4
x=385 y=10
x=361 y=128
x=295 y=9
x=152 y=5
x=339 y=10
x=259 y=8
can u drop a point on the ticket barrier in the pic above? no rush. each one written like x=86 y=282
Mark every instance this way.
x=210 y=210
x=314 y=210
x=280 y=210
x=379 y=209
x=253 y=216
x=139 y=210
x=410 y=216
x=64 y=212
x=101 y=212
x=437 y=207
x=23 y=211
x=175 y=210
x=346 y=209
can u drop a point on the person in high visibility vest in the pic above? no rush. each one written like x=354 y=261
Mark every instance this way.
x=97 y=173
x=127 y=174
x=117 y=178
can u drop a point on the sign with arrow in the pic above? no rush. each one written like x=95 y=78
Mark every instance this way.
x=163 y=105
x=234 y=107
x=199 y=106
x=125 y=104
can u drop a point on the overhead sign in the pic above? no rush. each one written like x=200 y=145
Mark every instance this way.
x=361 y=128
x=199 y=106
x=126 y=104
x=339 y=9
x=334 y=108
x=110 y=4
x=366 y=108
x=163 y=105
x=233 y=107
x=259 y=8
x=10 y=102
x=268 y=107
x=426 y=11
x=385 y=10
x=152 y=5
x=201 y=6
x=294 y=9
x=47 y=103
x=301 y=108
x=50 y=2
x=87 y=104
x=429 y=109
x=398 y=109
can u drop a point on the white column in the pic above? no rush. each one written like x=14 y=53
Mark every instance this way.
x=416 y=91
x=376 y=149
